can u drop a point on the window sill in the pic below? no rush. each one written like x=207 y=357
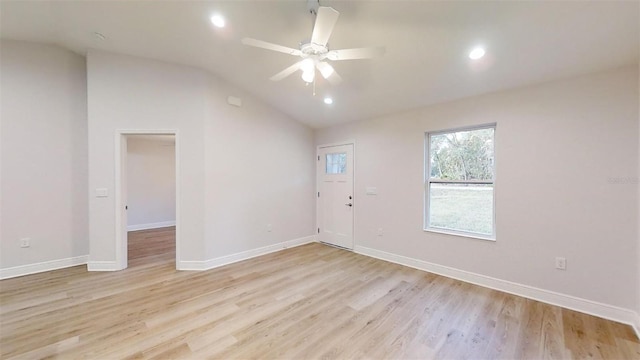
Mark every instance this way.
x=460 y=233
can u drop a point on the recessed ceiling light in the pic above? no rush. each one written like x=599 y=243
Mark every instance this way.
x=476 y=53
x=328 y=100
x=218 y=21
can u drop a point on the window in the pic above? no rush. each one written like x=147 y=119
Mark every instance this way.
x=336 y=163
x=459 y=184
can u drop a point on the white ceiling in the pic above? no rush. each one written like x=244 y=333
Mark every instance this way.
x=427 y=45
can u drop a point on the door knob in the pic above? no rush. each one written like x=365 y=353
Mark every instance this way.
x=349 y=204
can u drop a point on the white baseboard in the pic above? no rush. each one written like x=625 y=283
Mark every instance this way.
x=229 y=259
x=42 y=267
x=151 y=225
x=610 y=312
x=102 y=266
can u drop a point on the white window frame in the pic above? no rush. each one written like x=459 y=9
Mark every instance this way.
x=428 y=181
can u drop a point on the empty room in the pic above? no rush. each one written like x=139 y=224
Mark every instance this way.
x=302 y=179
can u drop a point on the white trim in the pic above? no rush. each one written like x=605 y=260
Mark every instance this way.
x=120 y=243
x=148 y=226
x=461 y=182
x=42 y=267
x=346 y=142
x=606 y=311
x=463 y=128
x=178 y=144
x=103 y=266
x=229 y=259
x=444 y=231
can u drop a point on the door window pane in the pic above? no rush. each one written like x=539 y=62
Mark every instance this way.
x=336 y=163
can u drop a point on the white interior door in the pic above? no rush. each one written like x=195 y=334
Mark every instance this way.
x=335 y=195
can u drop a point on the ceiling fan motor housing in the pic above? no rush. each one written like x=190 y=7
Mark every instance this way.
x=314 y=50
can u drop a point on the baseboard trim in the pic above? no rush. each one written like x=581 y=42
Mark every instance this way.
x=610 y=312
x=42 y=267
x=148 y=226
x=102 y=266
x=230 y=259
x=636 y=325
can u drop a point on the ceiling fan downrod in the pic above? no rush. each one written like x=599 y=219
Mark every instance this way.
x=312 y=6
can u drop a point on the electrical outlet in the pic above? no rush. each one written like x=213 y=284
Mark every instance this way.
x=380 y=232
x=25 y=242
x=269 y=227
x=561 y=263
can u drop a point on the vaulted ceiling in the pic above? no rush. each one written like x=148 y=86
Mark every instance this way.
x=427 y=45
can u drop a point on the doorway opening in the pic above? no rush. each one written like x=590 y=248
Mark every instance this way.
x=147 y=211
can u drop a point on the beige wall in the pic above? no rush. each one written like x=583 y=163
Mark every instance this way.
x=151 y=182
x=44 y=154
x=558 y=147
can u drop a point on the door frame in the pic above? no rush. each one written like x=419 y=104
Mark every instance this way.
x=354 y=209
x=121 y=244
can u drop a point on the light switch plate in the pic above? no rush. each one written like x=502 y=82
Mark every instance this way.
x=102 y=192
x=372 y=190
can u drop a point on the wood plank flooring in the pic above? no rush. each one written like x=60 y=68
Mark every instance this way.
x=312 y=301
x=149 y=246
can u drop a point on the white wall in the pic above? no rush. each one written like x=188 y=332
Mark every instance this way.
x=129 y=93
x=44 y=153
x=151 y=182
x=260 y=170
x=239 y=167
x=557 y=146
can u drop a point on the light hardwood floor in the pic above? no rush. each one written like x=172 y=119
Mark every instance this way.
x=152 y=246
x=312 y=301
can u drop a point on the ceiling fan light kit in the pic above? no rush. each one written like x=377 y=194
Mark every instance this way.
x=315 y=53
x=308 y=76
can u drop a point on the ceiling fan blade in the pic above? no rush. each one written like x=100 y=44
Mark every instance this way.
x=328 y=72
x=271 y=46
x=326 y=18
x=286 y=72
x=354 y=54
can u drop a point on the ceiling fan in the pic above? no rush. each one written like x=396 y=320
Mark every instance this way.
x=315 y=53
